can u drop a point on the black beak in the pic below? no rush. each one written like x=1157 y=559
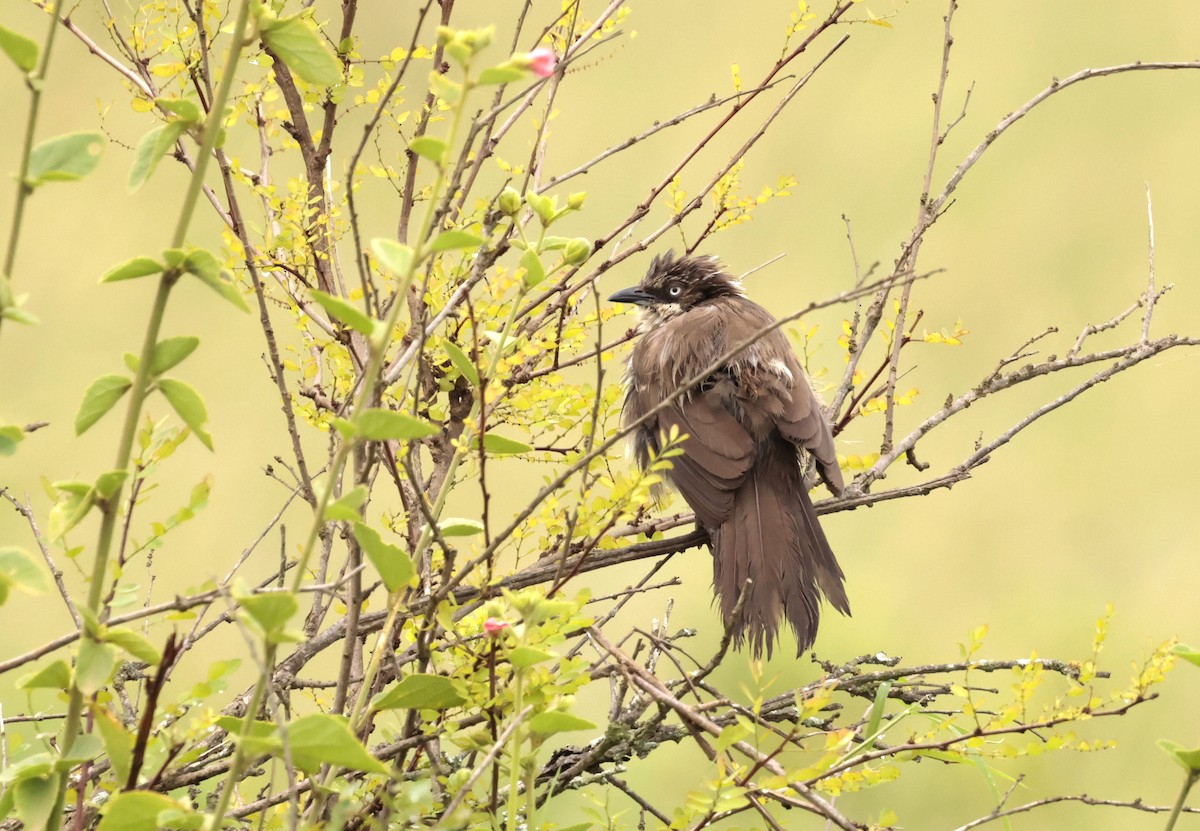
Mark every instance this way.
x=633 y=295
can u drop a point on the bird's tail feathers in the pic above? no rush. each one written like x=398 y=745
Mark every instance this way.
x=773 y=539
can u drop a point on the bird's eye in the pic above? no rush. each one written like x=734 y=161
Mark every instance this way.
x=675 y=291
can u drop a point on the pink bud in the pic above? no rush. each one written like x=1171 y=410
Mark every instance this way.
x=494 y=626
x=542 y=61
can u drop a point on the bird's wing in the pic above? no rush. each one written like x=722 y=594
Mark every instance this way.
x=717 y=455
x=802 y=422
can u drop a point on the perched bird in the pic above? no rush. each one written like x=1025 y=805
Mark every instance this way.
x=746 y=424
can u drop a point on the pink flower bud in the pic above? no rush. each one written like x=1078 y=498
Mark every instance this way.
x=542 y=61
x=494 y=626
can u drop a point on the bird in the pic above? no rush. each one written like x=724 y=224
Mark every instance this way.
x=747 y=426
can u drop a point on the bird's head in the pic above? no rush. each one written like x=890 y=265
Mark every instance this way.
x=676 y=284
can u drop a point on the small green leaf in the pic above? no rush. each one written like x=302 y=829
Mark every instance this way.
x=187 y=110
x=93 y=666
x=1188 y=654
x=64 y=158
x=33 y=799
x=429 y=147
x=321 y=739
x=344 y=312
x=69 y=511
x=118 y=742
x=503 y=74
x=55 y=676
x=501 y=446
x=100 y=397
x=205 y=266
x=465 y=366
x=1189 y=760
x=543 y=206
x=19 y=315
x=134 y=644
x=188 y=404
x=395 y=567
x=169 y=352
x=527 y=656
x=445 y=89
x=394 y=257
x=460 y=527
x=130 y=269
x=535 y=272
x=558 y=722
x=19 y=571
x=379 y=425
x=136 y=811
x=296 y=43
x=451 y=240
x=419 y=692
x=270 y=610
x=347 y=508
x=22 y=50
x=150 y=150
x=108 y=483
x=10 y=436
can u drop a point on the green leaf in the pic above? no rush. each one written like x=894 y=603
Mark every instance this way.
x=344 y=312
x=55 y=676
x=451 y=240
x=347 y=508
x=465 y=366
x=419 y=692
x=136 y=811
x=296 y=43
x=10 y=436
x=429 y=147
x=22 y=50
x=187 y=110
x=118 y=742
x=64 y=158
x=379 y=425
x=558 y=722
x=130 y=269
x=320 y=739
x=527 y=656
x=205 y=266
x=19 y=315
x=505 y=73
x=170 y=352
x=394 y=257
x=460 y=527
x=134 y=644
x=543 y=206
x=188 y=404
x=500 y=446
x=1188 y=759
x=535 y=272
x=394 y=565
x=93 y=666
x=69 y=511
x=445 y=89
x=100 y=397
x=270 y=610
x=33 y=799
x=150 y=150
x=1188 y=654
x=19 y=571
x=108 y=483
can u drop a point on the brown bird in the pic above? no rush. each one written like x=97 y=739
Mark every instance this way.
x=746 y=424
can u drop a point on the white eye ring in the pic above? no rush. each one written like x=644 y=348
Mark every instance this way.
x=675 y=291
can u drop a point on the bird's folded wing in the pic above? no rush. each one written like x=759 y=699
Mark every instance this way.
x=802 y=422
x=717 y=455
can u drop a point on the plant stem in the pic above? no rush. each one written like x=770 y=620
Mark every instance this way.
x=141 y=382
x=514 y=756
x=238 y=764
x=1177 y=809
x=35 y=81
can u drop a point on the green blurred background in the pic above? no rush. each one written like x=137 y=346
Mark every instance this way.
x=1097 y=503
